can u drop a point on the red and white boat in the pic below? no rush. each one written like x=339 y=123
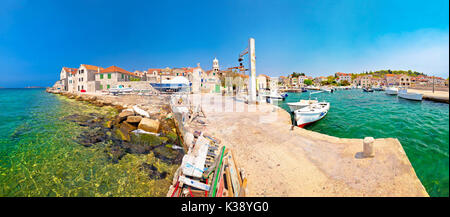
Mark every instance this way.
x=311 y=113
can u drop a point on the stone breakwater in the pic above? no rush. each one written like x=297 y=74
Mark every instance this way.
x=138 y=128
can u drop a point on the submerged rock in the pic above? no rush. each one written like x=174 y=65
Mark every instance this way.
x=153 y=172
x=167 y=154
x=146 y=139
x=149 y=125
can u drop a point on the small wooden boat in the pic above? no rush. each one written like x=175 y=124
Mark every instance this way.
x=311 y=113
x=367 y=89
x=300 y=104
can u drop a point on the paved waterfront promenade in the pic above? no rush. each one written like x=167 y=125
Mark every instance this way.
x=439 y=96
x=280 y=161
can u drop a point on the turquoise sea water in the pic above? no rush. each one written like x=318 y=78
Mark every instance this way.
x=40 y=155
x=421 y=127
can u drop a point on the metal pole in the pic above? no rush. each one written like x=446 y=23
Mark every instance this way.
x=252 y=80
x=433 y=83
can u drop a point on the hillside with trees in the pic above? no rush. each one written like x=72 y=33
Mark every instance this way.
x=381 y=73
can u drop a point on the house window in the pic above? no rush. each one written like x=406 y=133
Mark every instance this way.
x=109 y=76
x=101 y=76
x=82 y=87
x=107 y=86
x=122 y=76
x=101 y=87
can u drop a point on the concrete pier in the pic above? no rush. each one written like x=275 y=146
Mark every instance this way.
x=281 y=160
x=437 y=96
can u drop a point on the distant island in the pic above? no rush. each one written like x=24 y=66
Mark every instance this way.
x=34 y=87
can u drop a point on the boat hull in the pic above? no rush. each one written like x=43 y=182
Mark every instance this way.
x=391 y=91
x=410 y=96
x=304 y=118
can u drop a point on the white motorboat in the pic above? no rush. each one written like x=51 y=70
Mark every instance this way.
x=300 y=104
x=311 y=114
x=379 y=88
x=391 y=91
x=403 y=93
x=273 y=95
x=327 y=90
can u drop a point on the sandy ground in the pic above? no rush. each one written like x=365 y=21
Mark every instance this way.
x=281 y=160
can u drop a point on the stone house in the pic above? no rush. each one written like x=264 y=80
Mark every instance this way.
x=85 y=78
x=210 y=82
x=64 y=76
x=317 y=80
x=261 y=82
x=111 y=77
x=341 y=77
x=301 y=80
x=404 y=80
x=153 y=75
x=391 y=79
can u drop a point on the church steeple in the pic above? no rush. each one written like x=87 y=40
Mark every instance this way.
x=216 y=65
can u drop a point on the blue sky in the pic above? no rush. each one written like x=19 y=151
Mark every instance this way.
x=319 y=38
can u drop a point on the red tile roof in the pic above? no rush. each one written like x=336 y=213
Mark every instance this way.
x=116 y=69
x=91 y=67
x=151 y=70
x=70 y=70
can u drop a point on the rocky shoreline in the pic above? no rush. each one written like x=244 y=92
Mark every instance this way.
x=136 y=129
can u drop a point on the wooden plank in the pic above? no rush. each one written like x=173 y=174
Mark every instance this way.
x=194 y=183
x=236 y=166
x=243 y=187
x=229 y=186
x=216 y=174
x=221 y=183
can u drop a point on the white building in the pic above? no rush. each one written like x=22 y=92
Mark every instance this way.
x=215 y=66
x=85 y=78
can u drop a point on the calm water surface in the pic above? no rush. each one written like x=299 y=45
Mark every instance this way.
x=421 y=127
x=39 y=155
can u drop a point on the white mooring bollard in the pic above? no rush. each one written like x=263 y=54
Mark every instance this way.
x=368 y=147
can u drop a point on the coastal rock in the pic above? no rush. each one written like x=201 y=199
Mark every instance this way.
x=168 y=154
x=167 y=126
x=134 y=119
x=125 y=129
x=124 y=114
x=140 y=111
x=149 y=125
x=153 y=172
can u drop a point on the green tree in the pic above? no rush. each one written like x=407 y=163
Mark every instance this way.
x=308 y=82
x=345 y=83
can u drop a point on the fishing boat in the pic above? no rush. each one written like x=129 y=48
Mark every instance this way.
x=273 y=95
x=300 y=104
x=311 y=113
x=329 y=90
x=377 y=88
x=391 y=91
x=116 y=91
x=367 y=89
x=403 y=93
x=304 y=89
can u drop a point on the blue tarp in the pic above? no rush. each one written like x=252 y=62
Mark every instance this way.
x=171 y=87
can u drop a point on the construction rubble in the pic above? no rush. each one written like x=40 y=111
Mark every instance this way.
x=209 y=168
